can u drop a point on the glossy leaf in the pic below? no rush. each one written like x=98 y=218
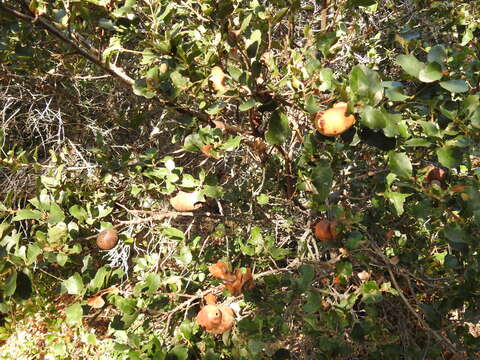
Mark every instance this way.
x=455 y=86
x=278 y=129
x=449 y=156
x=430 y=73
x=410 y=64
x=74 y=284
x=400 y=164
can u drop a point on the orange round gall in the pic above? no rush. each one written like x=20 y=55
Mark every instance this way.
x=107 y=239
x=333 y=121
x=325 y=230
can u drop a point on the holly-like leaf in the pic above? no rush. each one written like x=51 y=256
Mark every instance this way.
x=55 y=215
x=278 y=129
x=78 y=213
x=74 y=284
x=449 y=156
x=10 y=284
x=140 y=88
x=397 y=199
x=400 y=164
x=454 y=233
x=248 y=105
x=311 y=104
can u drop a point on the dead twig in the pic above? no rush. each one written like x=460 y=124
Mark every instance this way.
x=440 y=338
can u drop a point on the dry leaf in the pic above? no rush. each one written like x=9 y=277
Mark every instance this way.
x=184 y=201
x=394 y=260
x=219 y=124
x=457 y=188
x=389 y=235
x=364 y=275
x=207 y=150
x=96 y=302
x=108 y=290
x=217 y=77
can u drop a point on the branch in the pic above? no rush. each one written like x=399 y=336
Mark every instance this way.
x=440 y=338
x=93 y=57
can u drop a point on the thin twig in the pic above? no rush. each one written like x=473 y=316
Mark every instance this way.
x=439 y=337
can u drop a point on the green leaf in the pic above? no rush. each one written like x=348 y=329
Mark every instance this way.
x=248 y=105
x=26 y=214
x=366 y=84
x=173 y=233
x=262 y=199
x=455 y=86
x=255 y=346
x=74 y=284
x=10 y=284
x=57 y=233
x=153 y=281
x=400 y=164
x=78 y=212
x=140 y=88
x=179 y=353
x=327 y=79
x=413 y=142
x=184 y=256
x=430 y=73
x=215 y=108
x=213 y=191
x=454 y=233
x=179 y=80
x=437 y=53
x=307 y=274
x=33 y=250
x=397 y=199
x=344 y=269
x=431 y=128
x=74 y=314
x=370 y=292
x=231 y=144
x=311 y=104
x=313 y=302
x=373 y=118
x=395 y=93
x=410 y=64
x=449 y=156
x=352 y=3
x=55 y=214
x=99 y=280
x=278 y=129
x=322 y=179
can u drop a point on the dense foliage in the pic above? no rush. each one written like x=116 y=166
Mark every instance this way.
x=110 y=109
